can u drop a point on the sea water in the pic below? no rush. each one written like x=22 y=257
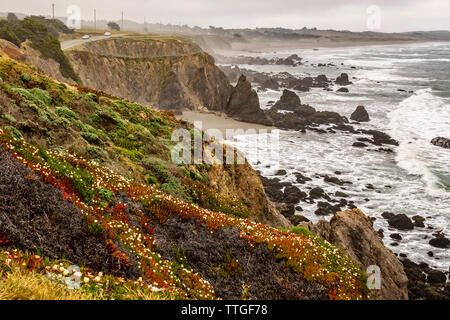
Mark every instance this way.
x=415 y=178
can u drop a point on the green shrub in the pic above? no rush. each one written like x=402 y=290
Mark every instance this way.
x=96 y=229
x=94 y=151
x=34 y=95
x=14 y=131
x=105 y=193
x=25 y=77
x=91 y=137
x=9 y=118
x=151 y=179
x=66 y=113
x=301 y=230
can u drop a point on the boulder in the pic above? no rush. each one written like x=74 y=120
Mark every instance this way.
x=288 y=101
x=286 y=209
x=243 y=103
x=436 y=276
x=353 y=231
x=441 y=142
x=360 y=114
x=440 y=242
x=344 y=90
x=316 y=193
x=325 y=209
x=342 y=80
x=293 y=194
x=401 y=222
x=297 y=219
x=271 y=84
x=418 y=221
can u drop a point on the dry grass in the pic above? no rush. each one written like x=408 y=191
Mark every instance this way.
x=25 y=285
x=22 y=285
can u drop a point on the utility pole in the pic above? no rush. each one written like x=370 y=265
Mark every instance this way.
x=95 y=20
x=53 y=11
x=122 y=20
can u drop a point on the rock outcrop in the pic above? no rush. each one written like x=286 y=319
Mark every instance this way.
x=236 y=182
x=342 y=80
x=360 y=114
x=289 y=101
x=244 y=103
x=353 y=231
x=170 y=73
x=441 y=142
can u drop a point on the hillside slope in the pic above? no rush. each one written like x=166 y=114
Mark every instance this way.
x=129 y=227
x=127 y=137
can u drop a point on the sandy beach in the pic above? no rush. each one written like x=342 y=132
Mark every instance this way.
x=222 y=123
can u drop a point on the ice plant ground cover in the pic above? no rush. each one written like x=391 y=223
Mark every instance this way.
x=64 y=282
x=63 y=126
x=127 y=137
x=89 y=186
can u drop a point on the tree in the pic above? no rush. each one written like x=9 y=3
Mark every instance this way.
x=113 y=26
x=12 y=18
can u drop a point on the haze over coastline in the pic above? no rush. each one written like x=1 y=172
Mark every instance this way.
x=396 y=16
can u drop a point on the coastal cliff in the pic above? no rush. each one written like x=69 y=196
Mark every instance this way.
x=166 y=72
x=92 y=184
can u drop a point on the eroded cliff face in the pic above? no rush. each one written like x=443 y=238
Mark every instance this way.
x=353 y=231
x=164 y=72
x=243 y=183
x=29 y=55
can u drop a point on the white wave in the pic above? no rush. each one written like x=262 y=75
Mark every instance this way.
x=416 y=121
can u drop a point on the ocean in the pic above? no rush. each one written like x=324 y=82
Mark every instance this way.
x=415 y=178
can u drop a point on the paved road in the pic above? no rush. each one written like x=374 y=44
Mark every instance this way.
x=73 y=43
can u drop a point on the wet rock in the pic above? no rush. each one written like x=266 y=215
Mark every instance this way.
x=440 y=242
x=271 y=84
x=436 y=276
x=297 y=219
x=401 y=222
x=300 y=178
x=244 y=103
x=281 y=172
x=293 y=194
x=286 y=209
x=341 y=194
x=333 y=180
x=316 y=193
x=359 y=145
x=360 y=115
x=321 y=78
x=325 y=209
x=396 y=236
x=387 y=215
x=288 y=101
x=379 y=138
x=343 y=90
x=418 y=221
x=343 y=80
x=441 y=142
x=353 y=231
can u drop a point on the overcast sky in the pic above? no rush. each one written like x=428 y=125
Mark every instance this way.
x=396 y=15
